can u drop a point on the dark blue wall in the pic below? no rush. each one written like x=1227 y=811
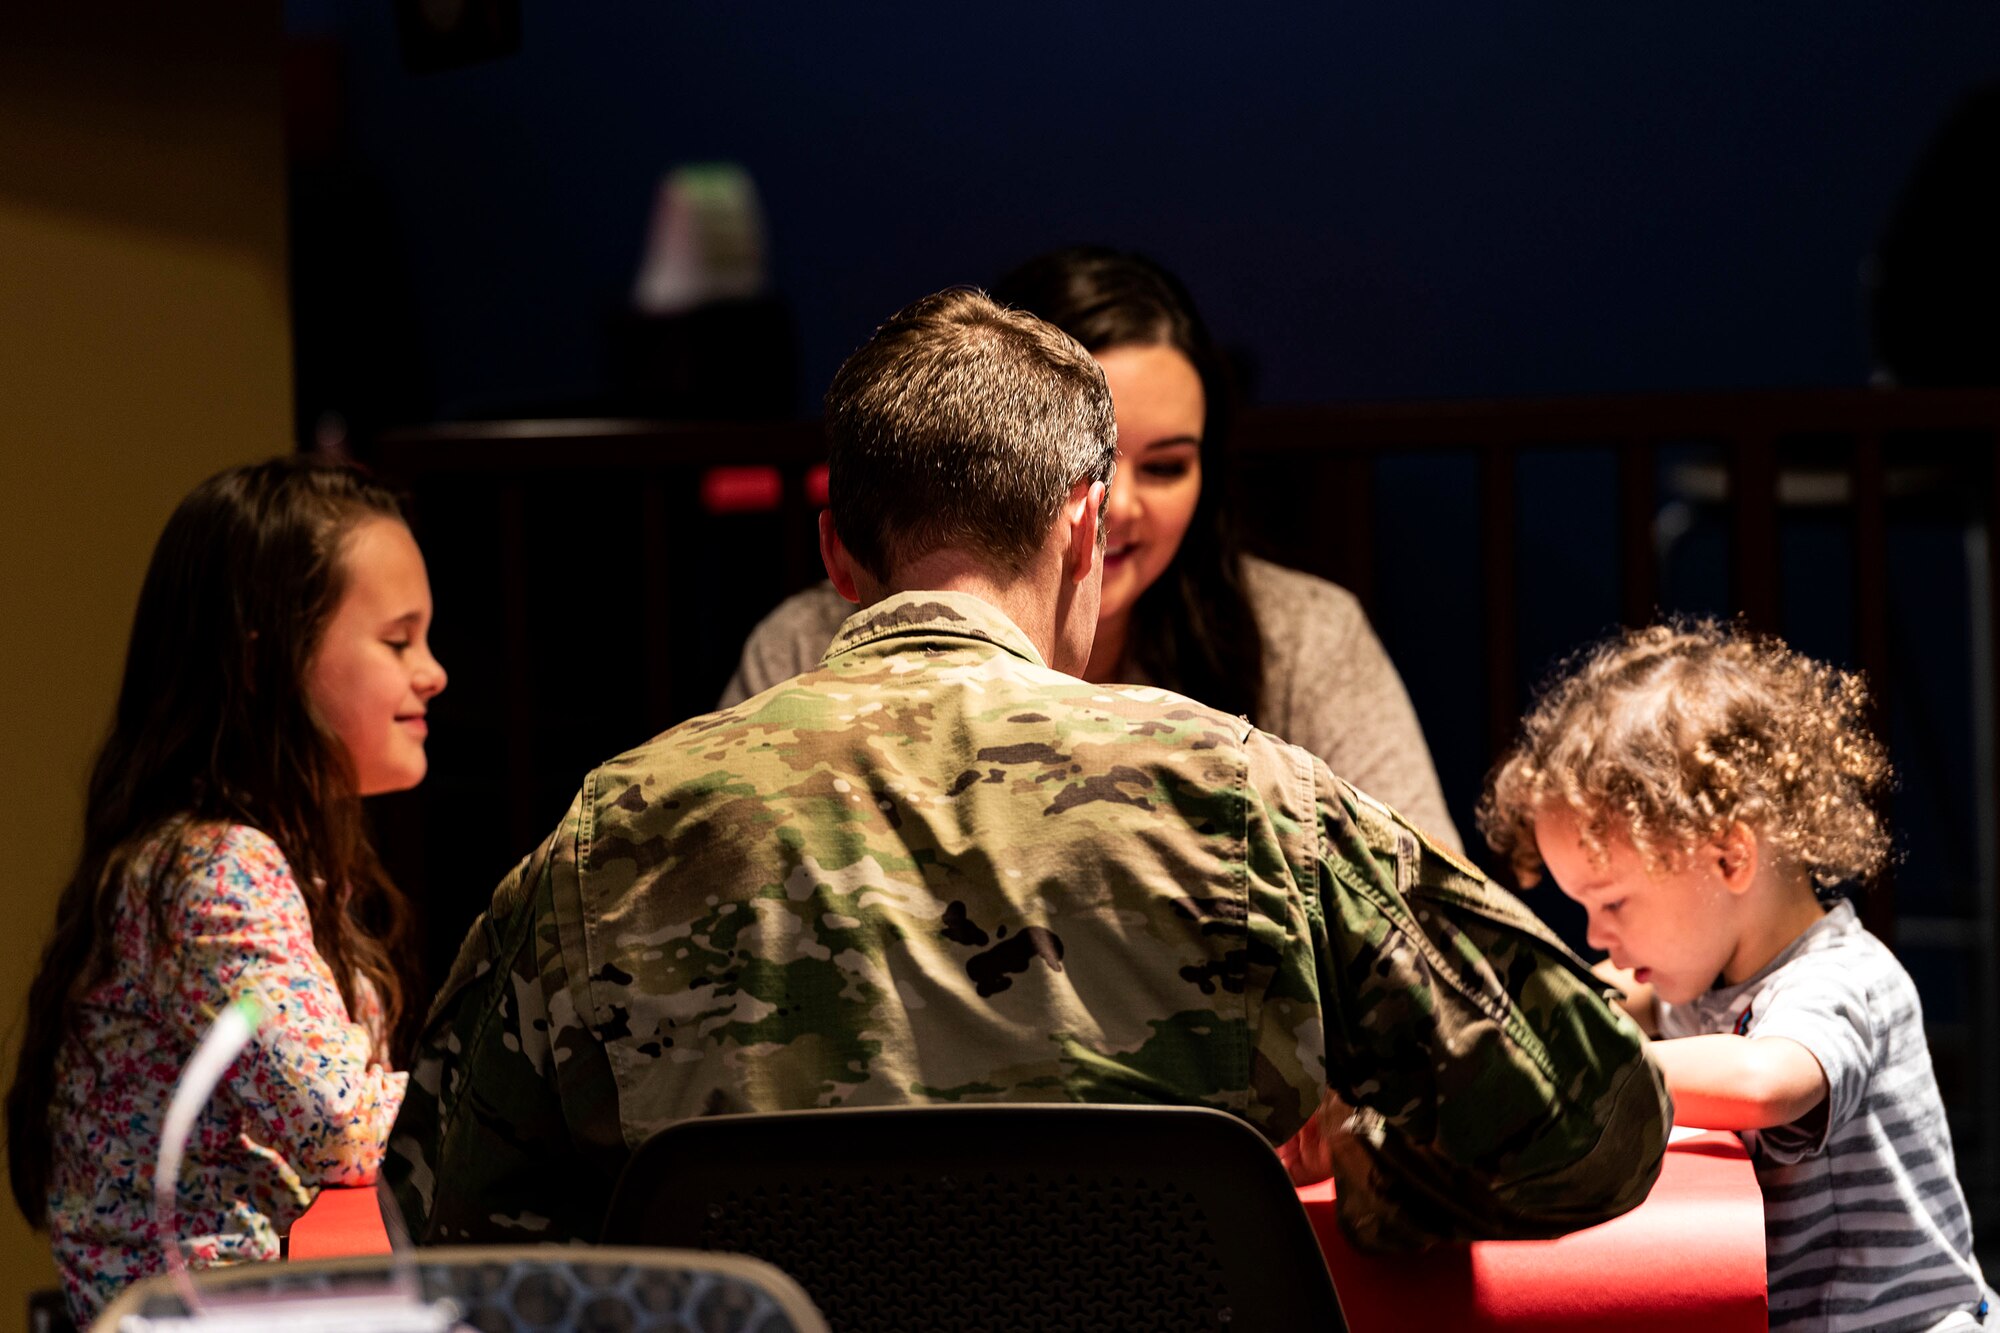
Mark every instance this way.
x=1375 y=201
x=1370 y=202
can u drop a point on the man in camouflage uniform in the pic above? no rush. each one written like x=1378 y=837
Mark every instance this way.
x=940 y=869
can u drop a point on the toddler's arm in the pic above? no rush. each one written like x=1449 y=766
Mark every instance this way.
x=1722 y=1081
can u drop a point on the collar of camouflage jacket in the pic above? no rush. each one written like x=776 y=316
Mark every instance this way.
x=931 y=615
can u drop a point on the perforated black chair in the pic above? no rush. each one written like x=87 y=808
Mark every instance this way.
x=994 y=1216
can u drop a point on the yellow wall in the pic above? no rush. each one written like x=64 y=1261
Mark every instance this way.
x=144 y=343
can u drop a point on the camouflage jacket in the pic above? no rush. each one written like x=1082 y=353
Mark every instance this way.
x=936 y=870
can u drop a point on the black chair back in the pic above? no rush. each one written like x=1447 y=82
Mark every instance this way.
x=993 y=1216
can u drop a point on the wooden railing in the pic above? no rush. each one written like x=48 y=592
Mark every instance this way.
x=1297 y=463
x=1750 y=429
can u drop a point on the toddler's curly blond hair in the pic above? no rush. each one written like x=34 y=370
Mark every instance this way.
x=1672 y=734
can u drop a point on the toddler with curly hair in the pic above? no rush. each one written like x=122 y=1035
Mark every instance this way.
x=1701 y=790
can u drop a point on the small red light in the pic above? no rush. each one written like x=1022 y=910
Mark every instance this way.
x=741 y=490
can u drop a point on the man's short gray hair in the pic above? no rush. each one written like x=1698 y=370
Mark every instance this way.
x=962 y=424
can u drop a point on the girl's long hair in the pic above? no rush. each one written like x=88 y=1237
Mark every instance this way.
x=213 y=727
x=1194 y=630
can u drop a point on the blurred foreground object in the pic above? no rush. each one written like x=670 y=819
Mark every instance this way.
x=509 y=1289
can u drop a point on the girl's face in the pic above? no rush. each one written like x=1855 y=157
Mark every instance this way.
x=1157 y=396
x=373 y=674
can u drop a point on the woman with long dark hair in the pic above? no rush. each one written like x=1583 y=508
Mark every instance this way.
x=278 y=671
x=1183 y=606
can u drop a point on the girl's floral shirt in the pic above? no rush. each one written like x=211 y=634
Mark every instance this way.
x=307 y=1104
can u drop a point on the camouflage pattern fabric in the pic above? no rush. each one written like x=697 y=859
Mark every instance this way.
x=936 y=870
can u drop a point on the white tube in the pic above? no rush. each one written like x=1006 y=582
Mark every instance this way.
x=232 y=1031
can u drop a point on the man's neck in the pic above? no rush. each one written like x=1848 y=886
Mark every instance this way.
x=1107 y=650
x=1020 y=599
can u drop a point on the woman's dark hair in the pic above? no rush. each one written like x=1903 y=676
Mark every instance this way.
x=1194 y=630
x=213 y=727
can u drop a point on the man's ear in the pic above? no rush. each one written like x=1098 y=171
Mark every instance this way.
x=839 y=564
x=1736 y=858
x=1081 y=513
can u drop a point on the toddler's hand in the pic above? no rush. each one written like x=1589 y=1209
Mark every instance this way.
x=1639 y=1001
x=1308 y=1154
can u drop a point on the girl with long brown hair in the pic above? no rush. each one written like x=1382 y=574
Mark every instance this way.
x=278 y=671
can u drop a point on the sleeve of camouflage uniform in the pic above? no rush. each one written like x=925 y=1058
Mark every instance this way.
x=1496 y=1093
x=509 y=1131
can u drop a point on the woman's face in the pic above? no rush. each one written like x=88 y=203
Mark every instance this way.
x=1158 y=398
